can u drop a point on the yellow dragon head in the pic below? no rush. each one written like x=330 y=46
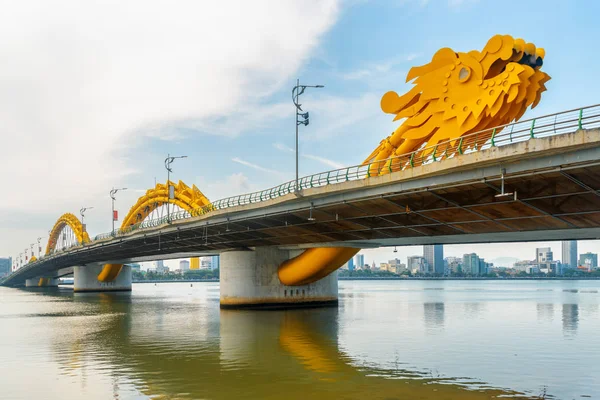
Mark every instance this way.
x=460 y=93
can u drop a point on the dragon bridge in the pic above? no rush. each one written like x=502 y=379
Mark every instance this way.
x=454 y=95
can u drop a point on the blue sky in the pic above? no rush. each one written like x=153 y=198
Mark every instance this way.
x=99 y=94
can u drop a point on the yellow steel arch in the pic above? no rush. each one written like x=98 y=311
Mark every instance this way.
x=188 y=198
x=453 y=95
x=67 y=219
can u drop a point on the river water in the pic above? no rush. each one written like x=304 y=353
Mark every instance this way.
x=386 y=340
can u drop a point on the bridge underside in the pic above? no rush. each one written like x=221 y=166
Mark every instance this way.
x=547 y=204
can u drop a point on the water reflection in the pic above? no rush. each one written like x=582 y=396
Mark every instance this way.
x=190 y=351
x=473 y=309
x=570 y=318
x=434 y=315
x=545 y=312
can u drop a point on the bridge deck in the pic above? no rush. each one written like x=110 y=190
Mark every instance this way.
x=556 y=181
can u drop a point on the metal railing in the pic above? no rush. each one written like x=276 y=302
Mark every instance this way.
x=548 y=125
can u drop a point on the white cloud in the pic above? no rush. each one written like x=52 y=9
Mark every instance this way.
x=81 y=82
x=379 y=68
x=283 y=147
x=255 y=166
x=232 y=185
x=323 y=160
x=337 y=113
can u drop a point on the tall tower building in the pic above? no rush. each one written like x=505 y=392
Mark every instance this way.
x=194 y=263
x=434 y=255
x=359 y=261
x=569 y=253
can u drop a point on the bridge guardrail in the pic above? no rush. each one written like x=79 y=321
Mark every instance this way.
x=548 y=125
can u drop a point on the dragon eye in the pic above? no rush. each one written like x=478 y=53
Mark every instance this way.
x=464 y=74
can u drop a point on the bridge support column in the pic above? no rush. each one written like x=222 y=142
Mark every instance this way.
x=41 y=282
x=86 y=279
x=248 y=279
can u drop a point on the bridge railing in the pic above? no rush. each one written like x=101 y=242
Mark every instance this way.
x=548 y=125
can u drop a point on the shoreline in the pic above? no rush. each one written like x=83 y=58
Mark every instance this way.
x=384 y=278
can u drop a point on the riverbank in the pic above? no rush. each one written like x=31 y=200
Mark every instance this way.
x=412 y=278
x=175 y=280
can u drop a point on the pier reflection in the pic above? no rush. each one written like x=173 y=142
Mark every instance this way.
x=570 y=318
x=192 y=351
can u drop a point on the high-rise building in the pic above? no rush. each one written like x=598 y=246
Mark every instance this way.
x=5 y=266
x=351 y=264
x=359 y=261
x=205 y=262
x=184 y=265
x=160 y=267
x=569 y=253
x=543 y=255
x=453 y=264
x=470 y=264
x=416 y=264
x=396 y=266
x=589 y=260
x=194 y=263
x=434 y=255
x=215 y=262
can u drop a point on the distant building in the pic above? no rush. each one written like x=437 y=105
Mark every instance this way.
x=434 y=255
x=532 y=269
x=194 y=263
x=205 y=262
x=5 y=266
x=396 y=266
x=470 y=264
x=484 y=267
x=569 y=253
x=184 y=265
x=453 y=265
x=160 y=267
x=588 y=260
x=525 y=265
x=215 y=262
x=359 y=261
x=135 y=267
x=543 y=255
x=351 y=264
x=416 y=264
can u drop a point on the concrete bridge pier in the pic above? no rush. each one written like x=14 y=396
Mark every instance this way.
x=248 y=279
x=41 y=282
x=86 y=279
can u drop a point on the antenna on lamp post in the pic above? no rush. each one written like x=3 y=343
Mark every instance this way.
x=296 y=92
x=114 y=217
x=83 y=230
x=168 y=161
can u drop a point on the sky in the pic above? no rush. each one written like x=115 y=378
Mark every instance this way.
x=95 y=94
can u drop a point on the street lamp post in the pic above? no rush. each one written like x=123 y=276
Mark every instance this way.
x=296 y=92
x=168 y=161
x=112 y=196
x=39 y=240
x=82 y=212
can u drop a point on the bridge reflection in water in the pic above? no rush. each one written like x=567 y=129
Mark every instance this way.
x=182 y=352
